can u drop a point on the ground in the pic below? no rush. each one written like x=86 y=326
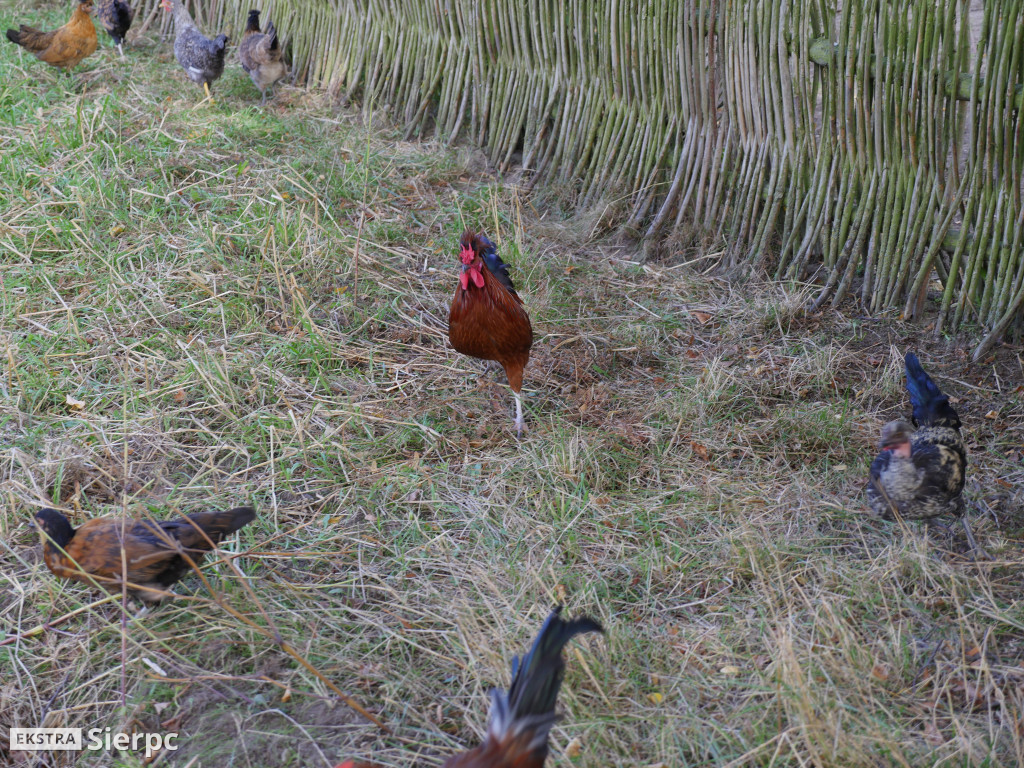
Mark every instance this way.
x=205 y=305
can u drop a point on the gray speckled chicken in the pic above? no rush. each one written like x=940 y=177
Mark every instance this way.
x=260 y=55
x=201 y=58
x=919 y=474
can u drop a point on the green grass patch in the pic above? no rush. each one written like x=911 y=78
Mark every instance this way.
x=205 y=305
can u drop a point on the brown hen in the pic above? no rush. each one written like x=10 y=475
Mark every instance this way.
x=156 y=554
x=260 y=55
x=65 y=46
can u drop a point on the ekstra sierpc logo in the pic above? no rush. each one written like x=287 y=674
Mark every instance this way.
x=94 y=739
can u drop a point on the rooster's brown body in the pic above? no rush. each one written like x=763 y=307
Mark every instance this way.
x=487 y=319
x=65 y=46
x=156 y=554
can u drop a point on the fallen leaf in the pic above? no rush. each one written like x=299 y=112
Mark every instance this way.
x=702 y=317
x=730 y=670
x=574 y=748
x=655 y=698
x=932 y=734
x=74 y=404
x=880 y=672
x=153 y=666
x=700 y=450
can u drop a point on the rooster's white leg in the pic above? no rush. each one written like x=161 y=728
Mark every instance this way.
x=520 y=423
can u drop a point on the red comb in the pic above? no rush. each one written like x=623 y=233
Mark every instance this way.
x=467 y=255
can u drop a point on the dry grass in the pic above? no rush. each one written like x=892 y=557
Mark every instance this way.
x=692 y=472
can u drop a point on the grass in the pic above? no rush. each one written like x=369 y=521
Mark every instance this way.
x=186 y=325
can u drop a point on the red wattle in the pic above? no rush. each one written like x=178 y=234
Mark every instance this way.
x=464 y=279
x=477 y=277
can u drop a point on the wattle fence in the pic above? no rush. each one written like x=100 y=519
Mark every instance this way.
x=874 y=148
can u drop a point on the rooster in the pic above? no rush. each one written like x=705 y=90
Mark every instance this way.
x=153 y=555
x=260 y=55
x=65 y=46
x=521 y=718
x=487 y=319
x=919 y=474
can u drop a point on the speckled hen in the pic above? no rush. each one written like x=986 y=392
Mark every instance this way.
x=200 y=57
x=919 y=474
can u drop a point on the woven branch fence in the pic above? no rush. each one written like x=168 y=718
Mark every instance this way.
x=874 y=148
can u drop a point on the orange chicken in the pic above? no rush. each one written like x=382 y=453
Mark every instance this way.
x=65 y=46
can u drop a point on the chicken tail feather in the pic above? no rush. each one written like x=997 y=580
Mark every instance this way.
x=529 y=705
x=931 y=407
x=29 y=38
x=220 y=524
